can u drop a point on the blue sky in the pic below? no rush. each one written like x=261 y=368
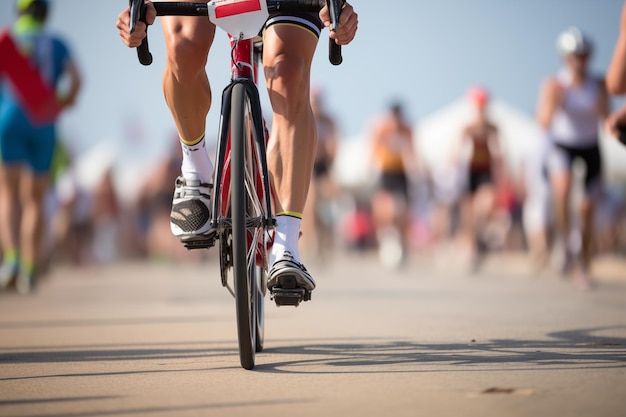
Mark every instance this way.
x=426 y=53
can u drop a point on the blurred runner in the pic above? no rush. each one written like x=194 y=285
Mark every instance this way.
x=395 y=164
x=318 y=220
x=571 y=105
x=447 y=188
x=480 y=136
x=536 y=209
x=27 y=148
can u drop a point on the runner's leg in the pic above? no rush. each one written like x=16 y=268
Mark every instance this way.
x=560 y=165
x=34 y=187
x=10 y=177
x=593 y=192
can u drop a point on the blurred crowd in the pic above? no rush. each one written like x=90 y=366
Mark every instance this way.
x=474 y=203
x=554 y=201
x=554 y=204
x=93 y=224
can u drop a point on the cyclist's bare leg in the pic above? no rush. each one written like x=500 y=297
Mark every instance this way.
x=185 y=82
x=287 y=55
x=188 y=96
x=288 y=52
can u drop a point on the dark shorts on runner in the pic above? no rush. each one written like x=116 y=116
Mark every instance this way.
x=24 y=144
x=562 y=158
x=395 y=183
x=308 y=21
x=321 y=169
x=478 y=178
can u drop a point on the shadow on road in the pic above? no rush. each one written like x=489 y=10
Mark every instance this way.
x=125 y=321
x=571 y=349
x=167 y=410
x=56 y=400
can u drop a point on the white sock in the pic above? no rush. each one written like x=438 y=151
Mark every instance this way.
x=196 y=161
x=286 y=237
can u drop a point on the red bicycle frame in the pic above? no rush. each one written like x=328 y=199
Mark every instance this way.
x=244 y=68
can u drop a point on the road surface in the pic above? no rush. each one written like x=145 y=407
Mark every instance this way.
x=150 y=339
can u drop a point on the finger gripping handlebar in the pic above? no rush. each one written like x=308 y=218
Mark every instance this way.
x=334 y=50
x=138 y=13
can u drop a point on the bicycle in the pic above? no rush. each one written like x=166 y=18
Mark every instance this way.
x=242 y=200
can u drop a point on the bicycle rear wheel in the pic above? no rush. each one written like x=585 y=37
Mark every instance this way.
x=248 y=229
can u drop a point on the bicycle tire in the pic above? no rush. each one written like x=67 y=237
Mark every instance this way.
x=248 y=276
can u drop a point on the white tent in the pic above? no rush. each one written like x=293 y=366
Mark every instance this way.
x=438 y=133
x=614 y=154
x=436 y=136
x=351 y=167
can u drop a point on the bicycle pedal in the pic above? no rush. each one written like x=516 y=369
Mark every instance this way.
x=199 y=244
x=289 y=296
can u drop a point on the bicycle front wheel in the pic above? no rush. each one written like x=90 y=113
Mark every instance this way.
x=248 y=228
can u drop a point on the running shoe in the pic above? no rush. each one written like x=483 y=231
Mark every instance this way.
x=390 y=248
x=287 y=269
x=24 y=282
x=8 y=271
x=563 y=259
x=190 y=218
x=583 y=280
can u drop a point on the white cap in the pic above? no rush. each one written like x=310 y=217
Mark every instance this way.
x=573 y=42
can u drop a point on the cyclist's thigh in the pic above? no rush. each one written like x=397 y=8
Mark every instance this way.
x=188 y=36
x=291 y=39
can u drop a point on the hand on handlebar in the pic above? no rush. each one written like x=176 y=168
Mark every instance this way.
x=133 y=40
x=348 y=24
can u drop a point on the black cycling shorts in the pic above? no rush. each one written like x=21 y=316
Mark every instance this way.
x=308 y=21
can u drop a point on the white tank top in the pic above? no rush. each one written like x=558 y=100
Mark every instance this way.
x=576 y=122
